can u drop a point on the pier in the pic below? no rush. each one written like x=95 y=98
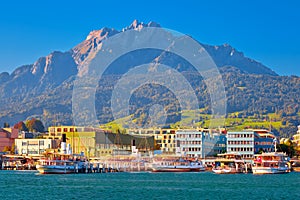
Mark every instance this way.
x=95 y=165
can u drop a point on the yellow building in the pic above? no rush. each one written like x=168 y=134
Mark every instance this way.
x=163 y=138
x=81 y=139
x=95 y=142
x=55 y=132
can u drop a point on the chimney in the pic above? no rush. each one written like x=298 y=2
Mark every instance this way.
x=134 y=150
x=63 y=143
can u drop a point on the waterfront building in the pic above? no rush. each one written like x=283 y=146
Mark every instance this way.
x=199 y=143
x=241 y=142
x=96 y=142
x=80 y=139
x=33 y=146
x=263 y=141
x=249 y=142
x=164 y=138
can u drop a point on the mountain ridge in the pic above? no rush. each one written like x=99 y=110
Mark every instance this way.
x=96 y=36
x=46 y=85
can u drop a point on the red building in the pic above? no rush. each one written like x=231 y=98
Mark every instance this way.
x=7 y=137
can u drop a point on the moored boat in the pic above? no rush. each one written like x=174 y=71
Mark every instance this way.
x=60 y=164
x=271 y=163
x=229 y=163
x=222 y=170
x=179 y=165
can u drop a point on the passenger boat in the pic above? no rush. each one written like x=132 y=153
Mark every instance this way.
x=179 y=165
x=229 y=163
x=17 y=162
x=271 y=163
x=60 y=164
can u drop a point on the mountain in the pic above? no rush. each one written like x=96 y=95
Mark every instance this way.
x=44 y=88
x=225 y=55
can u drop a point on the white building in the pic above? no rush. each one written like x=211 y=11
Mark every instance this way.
x=241 y=142
x=197 y=143
x=34 y=146
x=250 y=142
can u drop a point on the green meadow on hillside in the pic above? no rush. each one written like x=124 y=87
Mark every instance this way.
x=233 y=122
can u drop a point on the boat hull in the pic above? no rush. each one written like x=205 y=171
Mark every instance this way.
x=177 y=169
x=178 y=166
x=50 y=169
x=222 y=171
x=170 y=170
x=269 y=170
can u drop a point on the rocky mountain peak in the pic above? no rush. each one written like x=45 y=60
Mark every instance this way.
x=153 y=24
x=101 y=34
x=136 y=25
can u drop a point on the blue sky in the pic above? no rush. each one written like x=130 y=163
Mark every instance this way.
x=267 y=31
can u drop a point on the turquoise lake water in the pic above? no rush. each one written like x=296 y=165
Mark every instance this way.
x=206 y=185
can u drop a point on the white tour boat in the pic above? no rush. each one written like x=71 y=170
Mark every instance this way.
x=271 y=163
x=60 y=164
x=179 y=165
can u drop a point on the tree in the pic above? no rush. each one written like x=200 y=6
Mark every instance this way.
x=288 y=149
x=6 y=149
x=21 y=126
x=35 y=125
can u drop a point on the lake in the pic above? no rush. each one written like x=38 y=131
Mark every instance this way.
x=205 y=185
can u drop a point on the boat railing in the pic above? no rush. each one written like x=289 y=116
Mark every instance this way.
x=56 y=162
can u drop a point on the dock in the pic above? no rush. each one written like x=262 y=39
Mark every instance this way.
x=95 y=165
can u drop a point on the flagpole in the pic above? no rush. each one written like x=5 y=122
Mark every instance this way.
x=275 y=142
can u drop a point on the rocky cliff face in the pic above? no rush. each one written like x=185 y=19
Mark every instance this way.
x=226 y=55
